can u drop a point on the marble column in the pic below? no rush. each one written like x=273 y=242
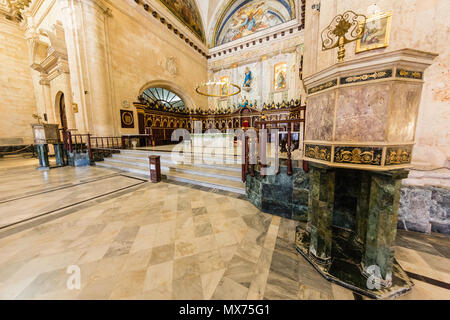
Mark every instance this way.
x=235 y=79
x=382 y=221
x=263 y=80
x=362 y=207
x=320 y=211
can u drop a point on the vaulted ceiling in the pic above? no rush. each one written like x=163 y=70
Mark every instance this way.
x=211 y=20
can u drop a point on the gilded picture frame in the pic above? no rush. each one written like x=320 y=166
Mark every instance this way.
x=280 y=76
x=224 y=88
x=376 y=33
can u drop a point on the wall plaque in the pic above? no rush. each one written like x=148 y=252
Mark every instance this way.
x=127 y=118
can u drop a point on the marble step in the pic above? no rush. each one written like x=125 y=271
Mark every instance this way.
x=170 y=174
x=177 y=167
x=168 y=155
x=168 y=161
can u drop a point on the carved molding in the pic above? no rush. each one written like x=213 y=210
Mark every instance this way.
x=12 y=9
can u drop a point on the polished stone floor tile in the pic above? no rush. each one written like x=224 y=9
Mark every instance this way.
x=171 y=241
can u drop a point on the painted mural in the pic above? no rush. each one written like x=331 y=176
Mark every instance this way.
x=247 y=17
x=279 y=76
x=187 y=12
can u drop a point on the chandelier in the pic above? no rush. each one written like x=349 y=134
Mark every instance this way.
x=218 y=89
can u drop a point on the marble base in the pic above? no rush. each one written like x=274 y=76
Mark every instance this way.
x=345 y=268
x=282 y=195
x=78 y=159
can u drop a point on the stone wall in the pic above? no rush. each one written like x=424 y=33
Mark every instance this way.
x=107 y=52
x=17 y=102
x=424 y=209
x=141 y=47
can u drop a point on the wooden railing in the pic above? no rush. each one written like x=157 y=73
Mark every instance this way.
x=98 y=147
x=289 y=125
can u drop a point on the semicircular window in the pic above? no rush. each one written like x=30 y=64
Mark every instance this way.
x=163 y=97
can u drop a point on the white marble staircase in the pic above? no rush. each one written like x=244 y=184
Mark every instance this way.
x=207 y=174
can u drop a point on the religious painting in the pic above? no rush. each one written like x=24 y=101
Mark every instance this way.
x=187 y=12
x=127 y=118
x=279 y=76
x=247 y=79
x=247 y=17
x=376 y=33
x=224 y=87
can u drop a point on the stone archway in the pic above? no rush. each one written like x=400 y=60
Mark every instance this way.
x=171 y=86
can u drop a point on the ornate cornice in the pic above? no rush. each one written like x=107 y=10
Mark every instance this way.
x=12 y=9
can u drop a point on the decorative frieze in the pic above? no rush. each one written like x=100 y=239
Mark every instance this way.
x=398 y=155
x=319 y=152
x=323 y=86
x=402 y=73
x=366 y=77
x=358 y=155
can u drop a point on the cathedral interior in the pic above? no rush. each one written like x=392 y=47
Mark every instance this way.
x=224 y=150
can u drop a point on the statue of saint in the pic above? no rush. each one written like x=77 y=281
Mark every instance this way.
x=244 y=103
x=248 y=78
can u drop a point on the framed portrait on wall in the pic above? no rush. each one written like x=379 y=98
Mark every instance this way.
x=127 y=118
x=376 y=33
x=280 y=76
x=224 y=88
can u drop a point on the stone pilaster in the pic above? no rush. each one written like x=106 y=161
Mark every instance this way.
x=320 y=211
x=382 y=221
x=86 y=31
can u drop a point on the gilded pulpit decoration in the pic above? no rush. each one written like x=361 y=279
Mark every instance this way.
x=402 y=73
x=367 y=77
x=318 y=152
x=323 y=86
x=398 y=155
x=358 y=155
x=344 y=28
x=127 y=118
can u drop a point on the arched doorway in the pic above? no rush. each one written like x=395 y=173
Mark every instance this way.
x=62 y=111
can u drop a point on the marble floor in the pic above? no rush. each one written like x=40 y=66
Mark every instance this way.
x=132 y=239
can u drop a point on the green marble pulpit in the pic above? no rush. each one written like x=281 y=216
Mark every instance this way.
x=360 y=125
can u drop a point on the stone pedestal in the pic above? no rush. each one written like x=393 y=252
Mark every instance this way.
x=59 y=154
x=42 y=151
x=358 y=255
x=382 y=222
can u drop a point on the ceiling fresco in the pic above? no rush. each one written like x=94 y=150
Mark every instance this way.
x=241 y=18
x=187 y=12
